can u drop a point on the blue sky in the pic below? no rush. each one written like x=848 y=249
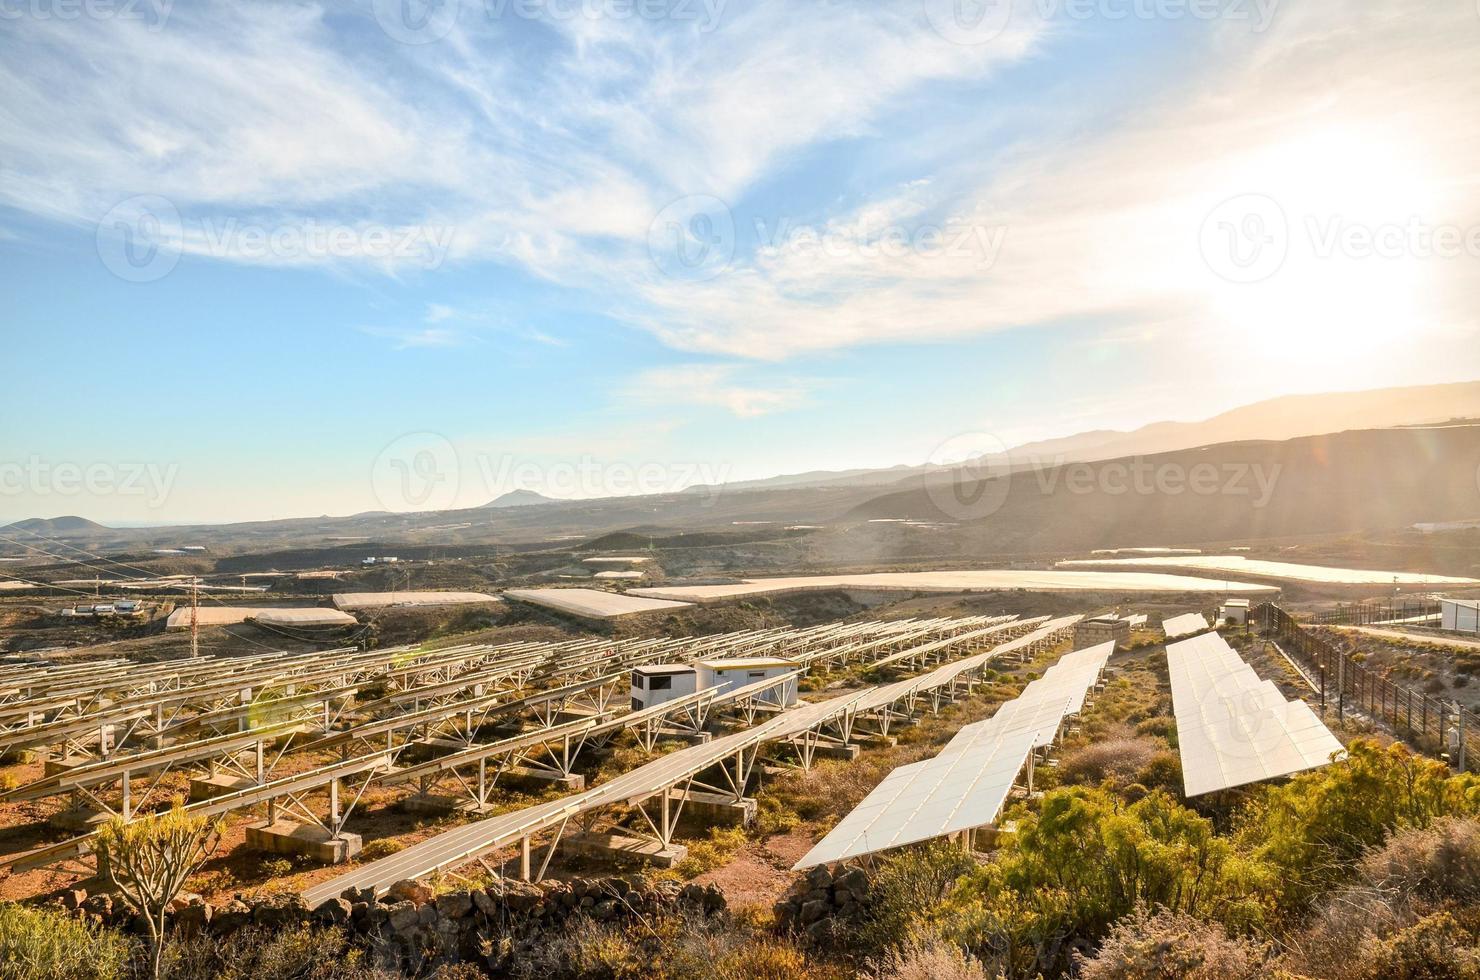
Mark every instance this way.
x=260 y=249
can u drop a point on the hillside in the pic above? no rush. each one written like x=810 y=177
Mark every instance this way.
x=1348 y=481
x=56 y=525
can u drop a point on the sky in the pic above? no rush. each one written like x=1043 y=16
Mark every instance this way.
x=267 y=259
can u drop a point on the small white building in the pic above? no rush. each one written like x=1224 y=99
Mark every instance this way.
x=733 y=672
x=1234 y=611
x=1460 y=615
x=658 y=683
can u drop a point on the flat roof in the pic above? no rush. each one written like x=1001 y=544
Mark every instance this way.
x=746 y=663
x=663 y=669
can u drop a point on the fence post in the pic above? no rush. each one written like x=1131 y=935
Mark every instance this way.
x=1460 y=715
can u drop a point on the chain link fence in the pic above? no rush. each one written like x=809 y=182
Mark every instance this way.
x=1439 y=728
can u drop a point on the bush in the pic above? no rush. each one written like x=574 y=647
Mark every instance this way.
x=1086 y=859
x=1433 y=948
x=39 y=943
x=381 y=848
x=1168 y=945
x=906 y=895
x=931 y=961
x=1313 y=829
x=1162 y=771
x=1437 y=863
x=1162 y=727
x=1118 y=760
x=707 y=855
x=304 y=953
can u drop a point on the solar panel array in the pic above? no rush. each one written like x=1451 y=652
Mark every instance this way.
x=966 y=785
x=463 y=844
x=1234 y=729
x=1184 y=625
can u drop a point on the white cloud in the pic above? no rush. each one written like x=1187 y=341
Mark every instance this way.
x=556 y=158
x=712 y=386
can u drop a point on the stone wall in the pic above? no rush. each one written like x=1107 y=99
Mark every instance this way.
x=823 y=904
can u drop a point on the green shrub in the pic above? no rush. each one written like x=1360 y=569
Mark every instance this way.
x=707 y=855
x=906 y=894
x=1313 y=829
x=37 y=943
x=384 y=847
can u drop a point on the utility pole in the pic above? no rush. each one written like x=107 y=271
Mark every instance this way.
x=194 y=619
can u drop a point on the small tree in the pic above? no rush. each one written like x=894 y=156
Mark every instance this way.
x=149 y=860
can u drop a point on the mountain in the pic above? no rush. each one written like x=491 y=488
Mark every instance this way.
x=1277 y=419
x=521 y=498
x=56 y=525
x=1342 y=482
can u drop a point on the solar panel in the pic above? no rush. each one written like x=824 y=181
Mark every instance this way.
x=1184 y=625
x=967 y=784
x=1234 y=728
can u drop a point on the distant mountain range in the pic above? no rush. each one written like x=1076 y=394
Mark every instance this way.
x=1346 y=461
x=520 y=498
x=1288 y=417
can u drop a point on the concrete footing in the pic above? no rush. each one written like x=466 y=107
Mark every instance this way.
x=52 y=765
x=443 y=805
x=712 y=808
x=309 y=840
x=846 y=753
x=79 y=819
x=879 y=741
x=523 y=776
x=615 y=845
x=206 y=787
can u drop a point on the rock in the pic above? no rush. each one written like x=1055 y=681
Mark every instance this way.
x=335 y=911
x=277 y=911
x=232 y=916
x=812 y=911
x=455 y=905
x=484 y=903
x=407 y=890
x=817 y=895
x=853 y=880
x=819 y=877
x=605 y=910
x=99 y=905
x=818 y=932
x=195 y=917
x=520 y=897
x=183 y=900
x=357 y=895
x=404 y=917
x=73 y=899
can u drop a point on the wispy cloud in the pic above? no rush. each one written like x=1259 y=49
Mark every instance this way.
x=420 y=337
x=714 y=386
x=554 y=150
